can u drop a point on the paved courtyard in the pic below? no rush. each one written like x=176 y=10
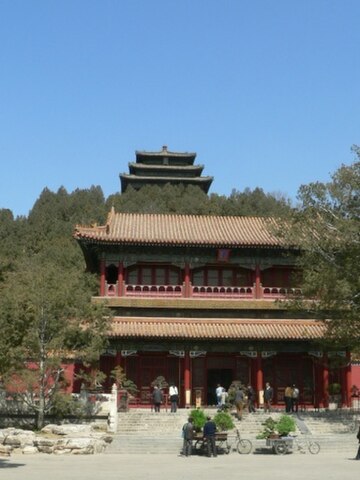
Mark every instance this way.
x=160 y=467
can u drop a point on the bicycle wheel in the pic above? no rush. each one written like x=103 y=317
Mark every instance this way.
x=199 y=447
x=281 y=448
x=244 y=446
x=314 y=448
x=352 y=427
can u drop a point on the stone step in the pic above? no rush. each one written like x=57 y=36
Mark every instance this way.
x=143 y=431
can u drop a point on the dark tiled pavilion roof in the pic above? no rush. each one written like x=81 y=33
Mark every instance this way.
x=216 y=329
x=182 y=230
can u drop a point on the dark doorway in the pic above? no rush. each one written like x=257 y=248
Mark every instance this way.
x=215 y=376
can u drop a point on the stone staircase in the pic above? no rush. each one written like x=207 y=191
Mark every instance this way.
x=143 y=431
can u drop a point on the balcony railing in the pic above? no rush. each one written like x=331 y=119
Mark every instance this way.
x=223 y=292
x=153 y=291
x=202 y=291
x=279 y=292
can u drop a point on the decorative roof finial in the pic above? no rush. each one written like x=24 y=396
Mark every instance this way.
x=164 y=148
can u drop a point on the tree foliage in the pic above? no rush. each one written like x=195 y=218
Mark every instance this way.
x=192 y=200
x=327 y=226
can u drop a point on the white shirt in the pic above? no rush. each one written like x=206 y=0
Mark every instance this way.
x=173 y=391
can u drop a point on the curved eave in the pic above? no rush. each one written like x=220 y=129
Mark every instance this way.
x=184 y=156
x=136 y=167
x=203 y=182
x=216 y=329
x=160 y=243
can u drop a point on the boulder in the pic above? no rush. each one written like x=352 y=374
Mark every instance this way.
x=5 y=450
x=29 y=450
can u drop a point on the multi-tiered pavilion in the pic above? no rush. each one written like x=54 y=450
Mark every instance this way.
x=160 y=168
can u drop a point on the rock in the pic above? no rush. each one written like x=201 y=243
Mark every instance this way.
x=61 y=451
x=29 y=450
x=45 y=449
x=44 y=442
x=20 y=438
x=67 y=429
x=5 y=450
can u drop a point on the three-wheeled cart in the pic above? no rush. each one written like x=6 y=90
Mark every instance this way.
x=280 y=445
x=220 y=442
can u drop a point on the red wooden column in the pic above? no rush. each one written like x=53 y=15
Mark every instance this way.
x=102 y=277
x=259 y=376
x=257 y=282
x=187 y=292
x=120 y=279
x=347 y=381
x=325 y=392
x=187 y=386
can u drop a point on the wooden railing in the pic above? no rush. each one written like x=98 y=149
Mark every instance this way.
x=279 y=292
x=153 y=291
x=201 y=291
x=223 y=292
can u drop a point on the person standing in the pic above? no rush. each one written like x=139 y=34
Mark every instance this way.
x=288 y=398
x=157 y=397
x=295 y=399
x=188 y=435
x=268 y=397
x=174 y=397
x=239 y=402
x=358 y=452
x=251 y=399
x=219 y=391
x=209 y=435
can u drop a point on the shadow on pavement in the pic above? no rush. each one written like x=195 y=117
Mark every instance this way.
x=4 y=463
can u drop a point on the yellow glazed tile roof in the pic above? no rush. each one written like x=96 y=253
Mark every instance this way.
x=182 y=230
x=220 y=329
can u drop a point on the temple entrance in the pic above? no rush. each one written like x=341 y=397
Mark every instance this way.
x=215 y=376
x=285 y=370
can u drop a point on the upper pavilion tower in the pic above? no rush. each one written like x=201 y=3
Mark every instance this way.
x=159 y=168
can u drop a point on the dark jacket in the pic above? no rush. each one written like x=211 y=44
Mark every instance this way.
x=250 y=393
x=268 y=394
x=209 y=428
x=188 y=431
x=157 y=396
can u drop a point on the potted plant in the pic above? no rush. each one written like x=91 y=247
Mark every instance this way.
x=276 y=429
x=127 y=388
x=199 y=419
x=334 y=390
x=223 y=421
x=355 y=394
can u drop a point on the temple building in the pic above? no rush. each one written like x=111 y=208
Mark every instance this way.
x=200 y=301
x=160 y=168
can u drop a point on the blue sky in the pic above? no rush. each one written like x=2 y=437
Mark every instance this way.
x=266 y=92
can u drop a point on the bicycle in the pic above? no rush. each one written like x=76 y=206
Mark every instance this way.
x=354 y=425
x=305 y=444
x=241 y=445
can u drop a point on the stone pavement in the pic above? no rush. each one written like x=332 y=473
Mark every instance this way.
x=335 y=466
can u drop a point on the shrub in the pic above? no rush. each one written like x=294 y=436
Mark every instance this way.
x=199 y=419
x=283 y=426
x=334 y=388
x=223 y=421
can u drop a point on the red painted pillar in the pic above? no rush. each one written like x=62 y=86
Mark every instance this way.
x=259 y=376
x=102 y=277
x=348 y=379
x=187 y=292
x=257 y=282
x=120 y=279
x=187 y=385
x=325 y=383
